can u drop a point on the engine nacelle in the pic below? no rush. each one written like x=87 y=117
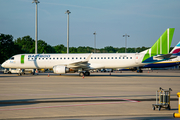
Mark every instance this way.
x=60 y=69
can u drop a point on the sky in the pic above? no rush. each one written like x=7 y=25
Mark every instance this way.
x=144 y=20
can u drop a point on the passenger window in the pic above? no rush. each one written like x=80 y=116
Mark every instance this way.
x=127 y=57
x=39 y=58
x=72 y=57
x=115 y=57
x=76 y=58
x=112 y=58
x=50 y=58
x=108 y=57
x=46 y=58
x=104 y=57
x=43 y=58
x=119 y=57
x=84 y=58
x=61 y=58
x=130 y=57
x=68 y=58
x=123 y=57
x=97 y=57
x=101 y=57
x=91 y=58
x=53 y=58
x=57 y=58
x=32 y=58
x=64 y=58
x=28 y=58
x=94 y=57
x=80 y=57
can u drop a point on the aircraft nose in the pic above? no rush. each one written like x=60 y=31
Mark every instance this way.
x=4 y=64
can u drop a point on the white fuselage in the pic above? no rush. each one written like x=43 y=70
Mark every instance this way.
x=97 y=60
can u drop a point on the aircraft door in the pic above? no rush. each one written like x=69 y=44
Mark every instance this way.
x=137 y=58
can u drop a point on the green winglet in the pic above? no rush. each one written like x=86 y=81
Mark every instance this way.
x=162 y=45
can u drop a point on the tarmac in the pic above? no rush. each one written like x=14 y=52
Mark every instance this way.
x=126 y=95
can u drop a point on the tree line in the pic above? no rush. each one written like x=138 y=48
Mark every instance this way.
x=26 y=44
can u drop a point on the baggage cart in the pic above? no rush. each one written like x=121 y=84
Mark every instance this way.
x=162 y=99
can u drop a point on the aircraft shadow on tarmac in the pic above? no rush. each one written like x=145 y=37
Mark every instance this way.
x=138 y=75
x=4 y=103
x=95 y=75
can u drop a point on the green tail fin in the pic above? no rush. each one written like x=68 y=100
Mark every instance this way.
x=162 y=45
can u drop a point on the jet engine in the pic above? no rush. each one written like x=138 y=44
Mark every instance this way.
x=60 y=69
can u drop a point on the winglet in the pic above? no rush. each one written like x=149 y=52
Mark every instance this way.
x=87 y=59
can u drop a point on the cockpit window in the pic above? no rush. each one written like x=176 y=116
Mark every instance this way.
x=12 y=58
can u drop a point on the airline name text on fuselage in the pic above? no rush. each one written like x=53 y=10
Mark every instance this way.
x=42 y=56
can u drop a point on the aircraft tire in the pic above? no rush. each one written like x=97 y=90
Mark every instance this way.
x=19 y=74
x=87 y=73
x=81 y=74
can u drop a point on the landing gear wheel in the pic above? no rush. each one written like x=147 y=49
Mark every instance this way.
x=153 y=108
x=19 y=74
x=81 y=74
x=87 y=73
x=139 y=71
x=32 y=73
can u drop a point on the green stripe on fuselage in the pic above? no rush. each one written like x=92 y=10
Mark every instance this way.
x=22 y=59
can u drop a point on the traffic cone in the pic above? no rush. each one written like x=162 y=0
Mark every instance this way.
x=110 y=73
x=148 y=71
x=83 y=77
x=48 y=74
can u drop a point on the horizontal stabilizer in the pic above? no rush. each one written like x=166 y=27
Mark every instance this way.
x=164 y=57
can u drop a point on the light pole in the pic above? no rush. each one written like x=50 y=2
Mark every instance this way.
x=36 y=26
x=68 y=12
x=126 y=41
x=94 y=42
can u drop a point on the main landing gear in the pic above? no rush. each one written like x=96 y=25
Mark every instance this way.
x=87 y=73
x=21 y=72
x=139 y=70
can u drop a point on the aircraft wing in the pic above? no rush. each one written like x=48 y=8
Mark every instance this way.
x=81 y=64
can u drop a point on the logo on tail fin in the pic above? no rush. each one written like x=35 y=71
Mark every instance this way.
x=176 y=48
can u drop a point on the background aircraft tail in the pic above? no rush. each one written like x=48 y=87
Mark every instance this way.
x=176 y=49
x=161 y=46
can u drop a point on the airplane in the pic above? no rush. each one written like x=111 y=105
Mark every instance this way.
x=167 y=63
x=82 y=63
x=162 y=64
